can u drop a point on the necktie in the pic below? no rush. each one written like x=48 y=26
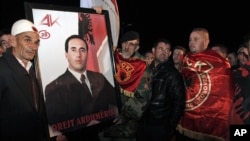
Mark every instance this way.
x=85 y=85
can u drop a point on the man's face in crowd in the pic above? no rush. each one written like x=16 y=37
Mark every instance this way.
x=162 y=52
x=178 y=55
x=4 y=41
x=198 y=42
x=26 y=46
x=129 y=48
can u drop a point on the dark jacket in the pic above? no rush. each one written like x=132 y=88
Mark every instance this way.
x=66 y=99
x=19 y=119
x=168 y=96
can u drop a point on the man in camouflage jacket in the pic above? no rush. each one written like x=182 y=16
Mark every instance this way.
x=134 y=79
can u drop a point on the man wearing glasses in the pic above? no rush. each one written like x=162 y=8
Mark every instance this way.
x=134 y=79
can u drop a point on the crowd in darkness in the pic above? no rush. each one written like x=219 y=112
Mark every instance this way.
x=175 y=28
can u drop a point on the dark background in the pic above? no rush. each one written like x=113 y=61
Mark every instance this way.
x=227 y=22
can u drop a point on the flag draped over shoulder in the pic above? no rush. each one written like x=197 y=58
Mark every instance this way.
x=209 y=92
x=129 y=73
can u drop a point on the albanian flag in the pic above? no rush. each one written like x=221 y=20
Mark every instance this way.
x=129 y=73
x=241 y=105
x=113 y=11
x=209 y=93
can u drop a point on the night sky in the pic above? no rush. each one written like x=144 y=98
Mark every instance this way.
x=227 y=22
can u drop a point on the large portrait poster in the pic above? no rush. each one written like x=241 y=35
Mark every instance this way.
x=68 y=105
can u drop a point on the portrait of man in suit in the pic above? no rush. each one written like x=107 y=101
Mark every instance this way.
x=79 y=97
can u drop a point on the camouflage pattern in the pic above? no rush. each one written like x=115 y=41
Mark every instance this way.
x=132 y=109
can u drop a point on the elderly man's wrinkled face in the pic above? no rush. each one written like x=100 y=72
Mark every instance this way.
x=129 y=48
x=26 y=46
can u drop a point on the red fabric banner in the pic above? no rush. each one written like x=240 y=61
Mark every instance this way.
x=209 y=89
x=129 y=72
x=97 y=33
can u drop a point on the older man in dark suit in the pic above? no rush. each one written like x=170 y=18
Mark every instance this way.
x=22 y=109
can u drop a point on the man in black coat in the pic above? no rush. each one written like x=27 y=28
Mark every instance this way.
x=22 y=109
x=73 y=103
x=167 y=103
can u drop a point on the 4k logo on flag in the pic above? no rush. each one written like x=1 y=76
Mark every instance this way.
x=203 y=85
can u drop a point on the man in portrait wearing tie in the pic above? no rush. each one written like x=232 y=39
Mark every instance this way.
x=79 y=97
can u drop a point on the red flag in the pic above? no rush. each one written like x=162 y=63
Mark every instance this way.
x=96 y=39
x=209 y=93
x=129 y=73
x=114 y=18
